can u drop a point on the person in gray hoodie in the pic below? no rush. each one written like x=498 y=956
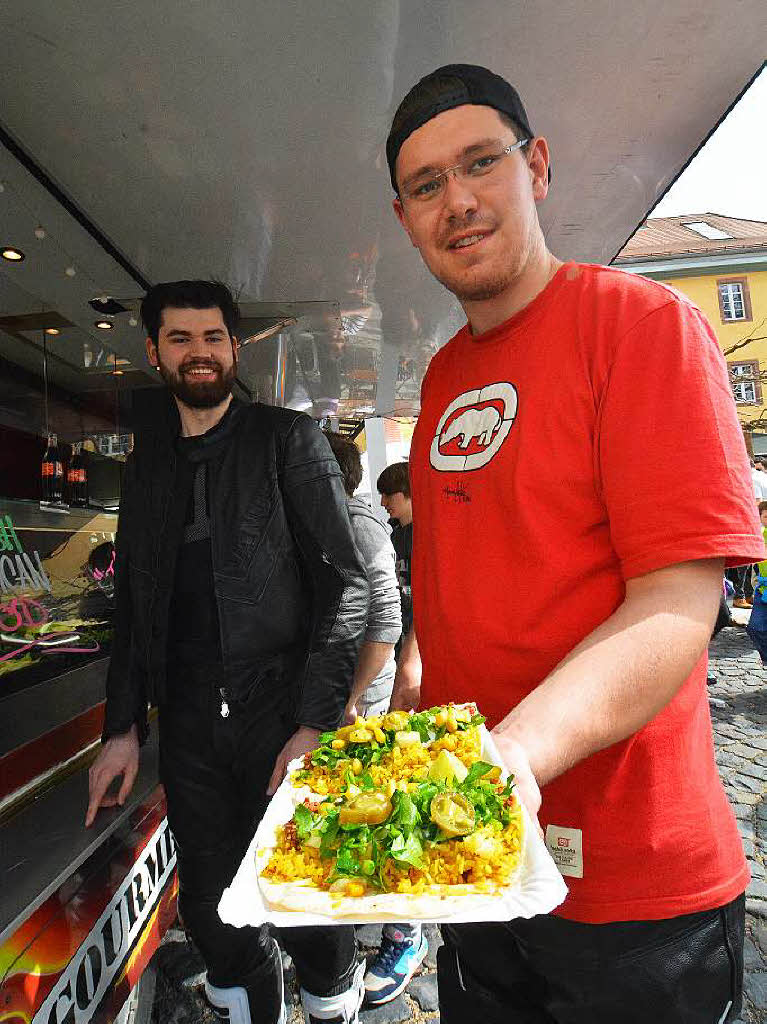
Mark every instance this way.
x=403 y=946
x=374 y=674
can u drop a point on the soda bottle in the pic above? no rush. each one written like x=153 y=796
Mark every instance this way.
x=52 y=472
x=77 y=477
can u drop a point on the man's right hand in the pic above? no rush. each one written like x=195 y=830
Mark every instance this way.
x=406 y=693
x=118 y=756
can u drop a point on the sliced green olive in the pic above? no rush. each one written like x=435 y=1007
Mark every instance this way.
x=453 y=813
x=366 y=809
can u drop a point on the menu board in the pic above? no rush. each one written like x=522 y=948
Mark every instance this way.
x=56 y=591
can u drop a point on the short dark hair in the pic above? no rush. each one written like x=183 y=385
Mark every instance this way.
x=395 y=478
x=348 y=458
x=762 y=507
x=188 y=295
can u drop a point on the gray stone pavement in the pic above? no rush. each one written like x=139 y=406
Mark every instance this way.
x=738 y=700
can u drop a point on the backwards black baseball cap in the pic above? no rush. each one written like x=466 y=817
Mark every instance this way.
x=453 y=85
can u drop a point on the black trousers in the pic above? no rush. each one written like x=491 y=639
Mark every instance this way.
x=685 y=970
x=215 y=771
x=740 y=577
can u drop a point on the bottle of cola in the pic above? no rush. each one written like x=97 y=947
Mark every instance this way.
x=52 y=472
x=77 y=477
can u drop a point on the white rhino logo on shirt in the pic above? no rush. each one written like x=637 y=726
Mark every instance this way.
x=479 y=423
x=488 y=425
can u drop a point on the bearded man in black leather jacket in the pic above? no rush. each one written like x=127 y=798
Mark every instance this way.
x=241 y=602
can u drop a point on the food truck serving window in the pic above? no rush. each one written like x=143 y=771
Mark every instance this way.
x=56 y=591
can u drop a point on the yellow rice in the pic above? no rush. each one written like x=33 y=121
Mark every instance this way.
x=403 y=764
x=447 y=863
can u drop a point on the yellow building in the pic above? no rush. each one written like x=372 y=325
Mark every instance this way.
x=721 y=264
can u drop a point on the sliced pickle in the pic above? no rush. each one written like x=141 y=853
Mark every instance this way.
x=366 y=809
x=452 y=813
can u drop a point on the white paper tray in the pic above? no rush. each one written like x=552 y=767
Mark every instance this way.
x=538 y=887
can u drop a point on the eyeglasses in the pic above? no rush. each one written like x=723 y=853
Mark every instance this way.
x=479 y=164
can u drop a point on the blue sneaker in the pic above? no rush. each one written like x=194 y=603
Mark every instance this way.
x=392 y=969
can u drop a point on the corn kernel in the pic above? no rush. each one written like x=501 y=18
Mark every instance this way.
x=321 y=786
x=357 y=766
x=391 y=786
x=451 y=725
x=440 y=718
x=355 y=889
x=338 y=744
x=379 y=735
x=449 y=742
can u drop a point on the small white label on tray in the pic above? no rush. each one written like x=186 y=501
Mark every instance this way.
x=566 y=847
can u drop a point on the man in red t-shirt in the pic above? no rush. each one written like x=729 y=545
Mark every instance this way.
x=575 y=610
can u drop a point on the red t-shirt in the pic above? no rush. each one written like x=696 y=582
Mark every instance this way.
x=590 y=439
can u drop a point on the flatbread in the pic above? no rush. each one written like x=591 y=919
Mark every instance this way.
x=435 y=902
x=439 y=901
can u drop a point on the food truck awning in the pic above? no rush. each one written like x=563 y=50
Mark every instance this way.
x=245 y=141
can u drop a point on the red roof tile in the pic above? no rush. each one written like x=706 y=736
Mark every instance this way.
x=668 y=237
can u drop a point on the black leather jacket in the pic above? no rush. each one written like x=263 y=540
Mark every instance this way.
x=289 y=583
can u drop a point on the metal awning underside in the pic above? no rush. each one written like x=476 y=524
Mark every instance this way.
x=244 y=140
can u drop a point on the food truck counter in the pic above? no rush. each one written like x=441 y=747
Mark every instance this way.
x=45 y=843
x=81 y=911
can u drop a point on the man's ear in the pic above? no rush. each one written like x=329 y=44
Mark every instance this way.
x=538 y=162
x=402 y=217
x=235 y=348
x=151 y=353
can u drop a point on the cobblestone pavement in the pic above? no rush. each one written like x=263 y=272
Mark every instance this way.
x=738 y=700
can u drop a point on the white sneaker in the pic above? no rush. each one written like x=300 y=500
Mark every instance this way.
x=339 y=1009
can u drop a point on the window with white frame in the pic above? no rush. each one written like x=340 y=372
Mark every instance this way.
x=113 y=444
x=745 y=382
x=734 y=301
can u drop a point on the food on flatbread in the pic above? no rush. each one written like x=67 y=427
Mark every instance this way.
x=430 y=825
x=400 y=746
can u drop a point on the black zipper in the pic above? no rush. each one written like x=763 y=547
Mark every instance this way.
x=223 y=693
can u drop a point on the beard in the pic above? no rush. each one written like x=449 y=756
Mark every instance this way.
x=478 y=283
x=199 y=394
x=479 y=290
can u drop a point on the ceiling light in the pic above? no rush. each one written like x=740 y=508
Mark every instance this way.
x=53 y=331
x=70 y=271
x=40 y=232
x=12 y=254
x=133 y=322
x=103 y=325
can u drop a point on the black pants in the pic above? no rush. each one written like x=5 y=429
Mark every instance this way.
x=215 y=771
x=685 y=970
x=740 y=577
